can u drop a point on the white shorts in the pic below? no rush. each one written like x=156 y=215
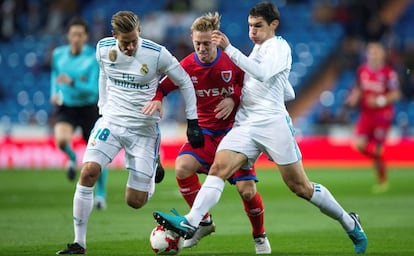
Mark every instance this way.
x=141 y=151
x=273 y=137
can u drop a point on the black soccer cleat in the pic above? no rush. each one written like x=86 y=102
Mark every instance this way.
x=160 y=172
x=74 y=248
x=71 y=170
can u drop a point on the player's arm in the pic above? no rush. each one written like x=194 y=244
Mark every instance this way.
x=101 y=83
x=164 y=88
x=54 y=95
x=394 y=93
x=170 y=66
x=273 y=62
x=354 y=97
x=87 y=85
x=231 y=102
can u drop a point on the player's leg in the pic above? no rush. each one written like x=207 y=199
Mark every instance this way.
x=186 y=167
x=141 y=156
x=63 y=134
x=87 y=118
x=160 y=171
x=295 y=178
x=254 y=208
x=100 y=190
x=226 y=162
x=102 y=147
x=378 y=141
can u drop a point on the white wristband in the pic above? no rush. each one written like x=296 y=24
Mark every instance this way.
x=381 y=101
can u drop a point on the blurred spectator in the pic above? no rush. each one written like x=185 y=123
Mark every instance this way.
x=8 y=22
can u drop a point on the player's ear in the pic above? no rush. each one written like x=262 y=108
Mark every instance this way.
x=113 y=33
x=274 y=24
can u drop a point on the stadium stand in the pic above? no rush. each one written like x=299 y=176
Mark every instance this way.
x=24 y=56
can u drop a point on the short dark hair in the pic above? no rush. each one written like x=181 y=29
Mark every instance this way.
x=78 y=21
x=267 y=10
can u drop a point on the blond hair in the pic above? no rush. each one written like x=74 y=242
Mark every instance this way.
x=206 y=22
x=124 y=22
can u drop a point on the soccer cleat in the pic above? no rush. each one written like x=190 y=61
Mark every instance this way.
x=204 y=229
x=74 y=248
x=71 y=170
x=177 y=223
x=262 y=245
x=100 y=203
x=380 y=188
x=358 y=236
x=160 y=172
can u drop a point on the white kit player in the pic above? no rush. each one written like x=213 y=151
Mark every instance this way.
x=262 y=125
x=130 y=69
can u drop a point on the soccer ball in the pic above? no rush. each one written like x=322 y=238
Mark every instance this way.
x=165 y=242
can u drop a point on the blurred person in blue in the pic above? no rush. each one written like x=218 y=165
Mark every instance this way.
x=130 y=68
x=74 y=93
x=262 y=125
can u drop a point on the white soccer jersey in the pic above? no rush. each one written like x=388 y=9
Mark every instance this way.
x=266 y=85
x=127 y=83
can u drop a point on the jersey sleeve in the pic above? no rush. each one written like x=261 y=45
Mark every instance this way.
x=53 y=75
x=170 y=66
x=274 y=61
x=164 y=88
x=101 y=82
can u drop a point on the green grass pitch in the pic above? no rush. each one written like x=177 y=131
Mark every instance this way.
x=36 y=216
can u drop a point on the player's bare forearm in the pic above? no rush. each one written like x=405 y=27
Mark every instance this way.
x=151 y=107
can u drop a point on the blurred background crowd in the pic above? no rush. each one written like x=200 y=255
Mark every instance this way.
x=326 y=36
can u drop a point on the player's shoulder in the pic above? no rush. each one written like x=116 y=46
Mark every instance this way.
x=151 y=45
x=189 y=60
x=106 y=42
x=88 y=49
x=61 y=50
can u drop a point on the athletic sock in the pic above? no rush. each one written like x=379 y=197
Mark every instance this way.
x=82 y=208
x=189 y=188
x=207 y=197
x=255 y=212
x=69 y=151
x=327 y=204
x=380 y=169
x=100 y=189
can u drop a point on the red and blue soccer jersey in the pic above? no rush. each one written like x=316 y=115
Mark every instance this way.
x=212 y=83
x=374 y=122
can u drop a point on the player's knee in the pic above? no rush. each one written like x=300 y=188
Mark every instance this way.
x=246 y=189
x=136 y=199
x=135 y=203
x=247 y=195
x=61 y=144
x=89 y=174
x=182 y=171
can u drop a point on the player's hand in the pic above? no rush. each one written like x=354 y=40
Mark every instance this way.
x=224 y=108
x=194 y=134
x=220 y=39
x=64 y=79
x=151 y=107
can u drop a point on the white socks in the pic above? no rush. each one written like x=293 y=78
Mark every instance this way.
x=327 y=204
x=82 y=208
x=207 y=197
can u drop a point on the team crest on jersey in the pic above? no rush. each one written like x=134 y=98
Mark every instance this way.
x=144 y=69
x=112 y=55
x=92 y=143
x=226 y=75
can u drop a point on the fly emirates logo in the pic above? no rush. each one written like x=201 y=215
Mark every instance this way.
x=212 y=92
